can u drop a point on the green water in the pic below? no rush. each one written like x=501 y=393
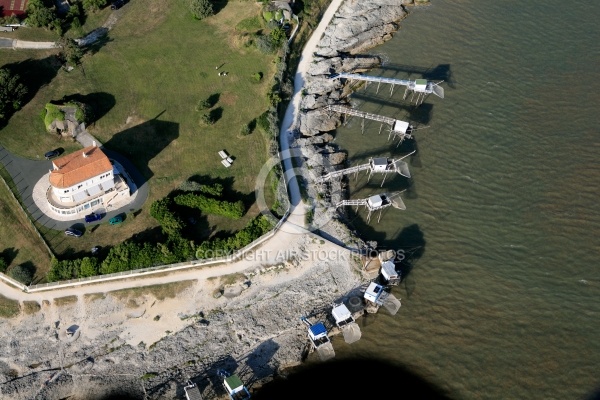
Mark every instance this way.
x=503 y=300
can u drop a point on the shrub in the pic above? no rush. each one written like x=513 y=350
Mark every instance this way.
x=245 y=130
x=207 y=119
x=257 y=77
x=201 y=9
x=216 y=189
x=268 y=16
x=53 y=113
x=190 y=186
x=211 y=206
x=216 y=247
x=169 y=222
x=3 y=265
x=265 y=44
x=203 y=105
x=22 y=273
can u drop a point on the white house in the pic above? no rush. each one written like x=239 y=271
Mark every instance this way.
x=83 y=180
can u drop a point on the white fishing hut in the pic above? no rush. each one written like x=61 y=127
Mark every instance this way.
x=388 y=272
x=374 y=293
x=345 y=321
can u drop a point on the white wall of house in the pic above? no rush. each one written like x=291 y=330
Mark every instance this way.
x=67 y=195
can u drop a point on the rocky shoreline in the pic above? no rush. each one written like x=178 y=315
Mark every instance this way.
x=257 y=331
x=356 y=27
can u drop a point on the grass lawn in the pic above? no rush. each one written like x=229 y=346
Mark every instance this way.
x=144 y=82
x=19 y=242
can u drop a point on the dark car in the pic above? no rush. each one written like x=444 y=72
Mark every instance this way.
x=117 y=4
x=73 y=232
x=93 y=217
x=117 y=219
x=52 y=154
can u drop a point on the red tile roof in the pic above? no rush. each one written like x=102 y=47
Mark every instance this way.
x=74 y=168
x=10 y=7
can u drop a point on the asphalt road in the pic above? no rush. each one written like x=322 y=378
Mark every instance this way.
x=26 y=173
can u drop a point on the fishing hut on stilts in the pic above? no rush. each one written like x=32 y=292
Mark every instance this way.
x=378 y=165
x=319 y=340
x=376 y=295
x=345 y=322
x=420 y=88
x=397 y=128
x=375 y=203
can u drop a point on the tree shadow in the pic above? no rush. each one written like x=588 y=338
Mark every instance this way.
x=216 y=114
x=141 y=143
x=34 y=74
x=258 y=361
x=100 y=103
x=303 y=380
x=218 y=5
x=213 y=99
x=9 y=255
x=102 y=40
x=229 y=193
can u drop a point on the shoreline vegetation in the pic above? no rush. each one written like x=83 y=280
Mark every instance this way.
x=316 y=280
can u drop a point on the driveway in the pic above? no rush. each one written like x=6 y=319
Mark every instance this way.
x=26 y=173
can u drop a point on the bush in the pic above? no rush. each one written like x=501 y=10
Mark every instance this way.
x=207 y=119
x=257 y=77
x=53 y=113
x=201 y=9
x=265 y=44
x=22 y=273
x=203 y=105
x=245 y=130
x=190 y=186
x=211 y=206
x=3 y=265
x=216 y=189
x=217 y=247
x=170 y=223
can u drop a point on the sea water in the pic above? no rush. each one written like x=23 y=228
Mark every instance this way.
x=501 y=291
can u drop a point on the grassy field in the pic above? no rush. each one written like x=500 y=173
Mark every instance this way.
x=19 y=242
x=144 y=82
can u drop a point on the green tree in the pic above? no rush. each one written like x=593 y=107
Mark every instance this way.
x=70 y=50
x=170 y=223
x=12 y=93
x=277 y=36
x=40 y=14
x=201 y=9
x=89 y=267
x=22 y=273
x=207 y=119
x=93 y=5
x=3 y=265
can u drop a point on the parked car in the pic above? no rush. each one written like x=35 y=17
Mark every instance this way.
x=117 y=219
x=117 y=4
x=93 y=217
x=73 y=232
x=52 y=154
